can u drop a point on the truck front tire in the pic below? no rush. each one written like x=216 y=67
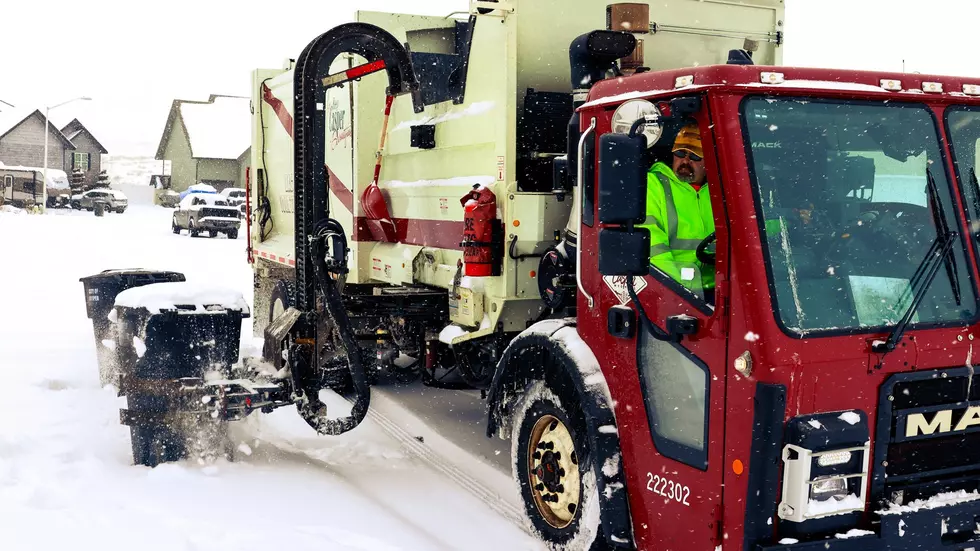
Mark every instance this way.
x=552 y=466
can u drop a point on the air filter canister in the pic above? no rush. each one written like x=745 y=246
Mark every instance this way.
x=632 y=18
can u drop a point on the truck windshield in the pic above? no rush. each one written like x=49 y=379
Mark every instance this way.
x=963 y=125
x=841 y=190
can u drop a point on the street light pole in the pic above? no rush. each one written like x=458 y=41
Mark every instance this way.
x=44 y=174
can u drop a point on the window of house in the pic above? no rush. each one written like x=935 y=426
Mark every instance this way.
x=80 y=161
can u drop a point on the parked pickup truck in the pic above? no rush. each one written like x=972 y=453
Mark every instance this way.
x=115 y=200
x=205 y=212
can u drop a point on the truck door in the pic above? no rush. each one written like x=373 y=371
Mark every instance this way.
x=672 y=395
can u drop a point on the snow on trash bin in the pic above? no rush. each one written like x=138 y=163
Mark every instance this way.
x=182 y=296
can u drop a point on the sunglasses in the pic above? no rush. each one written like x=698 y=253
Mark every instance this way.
x=680 y=154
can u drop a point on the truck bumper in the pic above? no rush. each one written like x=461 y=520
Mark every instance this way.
x=922 y=530
x=220 y=225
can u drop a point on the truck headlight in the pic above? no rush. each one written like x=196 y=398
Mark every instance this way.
x=825 y=467
x=813 y=489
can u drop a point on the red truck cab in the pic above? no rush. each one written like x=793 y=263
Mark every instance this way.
x=826 y=390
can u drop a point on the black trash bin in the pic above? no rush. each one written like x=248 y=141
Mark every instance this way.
x=158 y=348
x=100 y=295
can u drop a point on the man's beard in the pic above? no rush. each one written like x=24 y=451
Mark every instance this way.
x=685 y=173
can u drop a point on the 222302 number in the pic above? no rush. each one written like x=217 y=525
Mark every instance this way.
x=668 y=488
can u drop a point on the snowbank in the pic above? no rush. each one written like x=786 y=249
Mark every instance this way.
x=944 y=499
x=166 y=296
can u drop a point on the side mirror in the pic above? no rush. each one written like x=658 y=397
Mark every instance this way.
x=623 y=252
x=622 y=179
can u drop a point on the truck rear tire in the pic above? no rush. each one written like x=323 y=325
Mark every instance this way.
x=552 y=465
x=232 y=234
x=281 y=299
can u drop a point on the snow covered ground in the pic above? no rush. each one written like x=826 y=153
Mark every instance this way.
x=66 y=478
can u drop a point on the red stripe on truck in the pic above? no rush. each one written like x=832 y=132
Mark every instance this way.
x=281 y=112
x=339 y=189
x=441 y=234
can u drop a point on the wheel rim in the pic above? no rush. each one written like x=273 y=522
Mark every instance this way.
x=553 y=474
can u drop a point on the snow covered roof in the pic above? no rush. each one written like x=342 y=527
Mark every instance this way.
x=75 y=129
x=219 y=128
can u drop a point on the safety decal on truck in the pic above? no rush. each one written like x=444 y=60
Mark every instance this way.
x=617 y=284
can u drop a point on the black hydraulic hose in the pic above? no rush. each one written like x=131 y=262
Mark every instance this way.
x=334 y=303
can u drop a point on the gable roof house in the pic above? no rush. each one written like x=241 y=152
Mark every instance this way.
x=22 y=143
x=207 y=141
x=88 y=151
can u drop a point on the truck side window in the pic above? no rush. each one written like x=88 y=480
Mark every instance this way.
x=679 y=212
x=675 y=394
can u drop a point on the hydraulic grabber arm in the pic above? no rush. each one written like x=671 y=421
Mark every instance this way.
x=296 y=340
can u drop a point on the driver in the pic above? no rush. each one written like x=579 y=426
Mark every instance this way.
x=679 y=215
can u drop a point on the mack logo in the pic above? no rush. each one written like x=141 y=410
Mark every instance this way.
x=942 y=422
x=767 y=145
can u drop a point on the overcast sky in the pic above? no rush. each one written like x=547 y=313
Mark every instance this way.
x=134 y=58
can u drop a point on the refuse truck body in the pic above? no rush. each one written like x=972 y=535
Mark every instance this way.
x=471 y=192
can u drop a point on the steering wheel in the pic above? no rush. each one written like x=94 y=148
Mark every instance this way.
x=702 y=253
x=893 y=234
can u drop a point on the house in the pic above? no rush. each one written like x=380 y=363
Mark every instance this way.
x=207 y=141
x=88 y=151
x=22 y=143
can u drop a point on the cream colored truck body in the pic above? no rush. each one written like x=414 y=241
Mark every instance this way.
x=523 y=44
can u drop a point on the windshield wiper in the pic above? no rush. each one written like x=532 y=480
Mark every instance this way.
x=927 y=270
x=939 y=215
x=975 y=192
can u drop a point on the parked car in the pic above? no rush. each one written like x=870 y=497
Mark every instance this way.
x=234 y=195
x=205 y=212
x=168 y=198
x=236 y=198
x=115 y=199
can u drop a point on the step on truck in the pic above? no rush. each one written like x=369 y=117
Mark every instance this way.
x=469 y=192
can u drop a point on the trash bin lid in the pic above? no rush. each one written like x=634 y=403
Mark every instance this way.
x=123 y=272
x=182 y=296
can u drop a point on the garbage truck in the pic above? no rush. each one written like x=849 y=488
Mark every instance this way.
x=470 y=193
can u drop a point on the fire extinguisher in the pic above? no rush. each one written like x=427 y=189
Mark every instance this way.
x=482 y=233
